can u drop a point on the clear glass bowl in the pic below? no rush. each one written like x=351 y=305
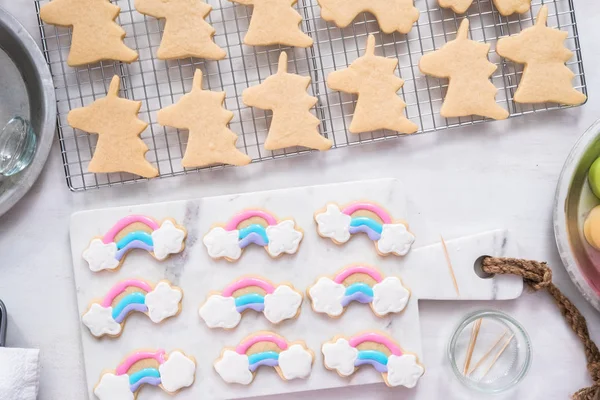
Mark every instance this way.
x=17 y=146
x=490 y=370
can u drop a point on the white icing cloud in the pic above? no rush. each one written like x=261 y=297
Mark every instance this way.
x=168 y=239
x=101 y=256
x=163 y=302
x=100 y=322
x=395 y=238
x=177 y=372
x=334 y=224
x=222 y=243
x=113 y=387
x=403 y=370
x=326 y=297
x=234 y=368
x=283 y=238
x=282 y=304
x=340 y=356
x=295 y=362
x=389 y=296
x=220 y=312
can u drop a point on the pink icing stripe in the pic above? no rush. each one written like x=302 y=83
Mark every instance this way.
x=244 y=346
x=241 y=217
x=109 y=237
x=159 y=356
x=120 y=287
x=358 y=269
x=377 y=338
x=385 y=217
x=245 y=282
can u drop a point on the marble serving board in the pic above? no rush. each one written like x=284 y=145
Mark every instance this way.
x=424 y=270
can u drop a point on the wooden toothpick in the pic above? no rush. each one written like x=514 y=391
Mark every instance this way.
x=447 y=255
x=487 y=354
x=498 y=355
x=472 y=342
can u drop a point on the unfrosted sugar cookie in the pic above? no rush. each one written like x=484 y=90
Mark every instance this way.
x=505 y=7
x=134 y=232
x=346 y=355
x=96 y=35
x=171 y=372
x=339 y=223
x=291 y=360
x=253 y=226
x=224 y=309
x=362 y=284
x=107 y=316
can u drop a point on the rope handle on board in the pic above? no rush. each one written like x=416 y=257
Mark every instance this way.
x=538 y=276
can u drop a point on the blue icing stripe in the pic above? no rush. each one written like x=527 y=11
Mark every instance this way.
x=374 y=355
x=137 y=235
x=133 y=298
x=358 y=221
x=359 y=287
x=255 y=228
x=265 y=355
x=249 y=299
x=136 y=376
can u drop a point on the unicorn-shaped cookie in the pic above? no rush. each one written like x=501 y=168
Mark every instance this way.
x=465 y=63
x=346 y=355
x=239 y=365
x=224 y=309
x=171 y=372
x=96 y=36
x=292 y=124
x=505 y=7
x=545 y=77
x=372 y=79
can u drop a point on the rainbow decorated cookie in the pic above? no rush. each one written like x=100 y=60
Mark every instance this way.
x=340 y=223
x=362 y=284
x=107 y=316
x=253 y=227
x=134 y=232
x=239 y=365
x=397 y=367
x=171 y=372
x=224 y=309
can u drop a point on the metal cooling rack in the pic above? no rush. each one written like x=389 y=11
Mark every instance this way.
x=159 y=83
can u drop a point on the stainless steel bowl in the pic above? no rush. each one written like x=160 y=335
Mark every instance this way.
x=574 y=199
x=16 y=42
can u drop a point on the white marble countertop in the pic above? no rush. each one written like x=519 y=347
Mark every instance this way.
x=467 y=180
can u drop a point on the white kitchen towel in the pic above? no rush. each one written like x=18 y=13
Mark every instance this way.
x=19 y=373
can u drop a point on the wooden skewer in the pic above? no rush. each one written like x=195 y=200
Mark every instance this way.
x=487 y=354
x=498 y=355
x=447 y=255
x=472 y=342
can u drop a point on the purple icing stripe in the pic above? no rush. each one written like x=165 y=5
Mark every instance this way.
x=150 y=380
x=135 y=244
x=268 y=362
x=365 y=229
x=258 y=307
x=129 y=308
x=378 y=366
x=357 y=296
x=252 y=237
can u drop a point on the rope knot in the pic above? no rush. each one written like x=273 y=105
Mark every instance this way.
x=594 y=369
x=544 y=274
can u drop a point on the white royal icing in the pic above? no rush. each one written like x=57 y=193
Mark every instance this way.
x=234 y=368
x=283 y=238
x=177 y=372
x=395 y=238
x=340 y=356
x=101 y=256
x=113 y=387
x=282 y=304
x=168 y=239
x=403 y=370
x=222 y=243
x=220 y=312
x=326 y=297
x=295 y=362
x=389 y=296
x=334 y=224
x=100 y=322
x=163 y=302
